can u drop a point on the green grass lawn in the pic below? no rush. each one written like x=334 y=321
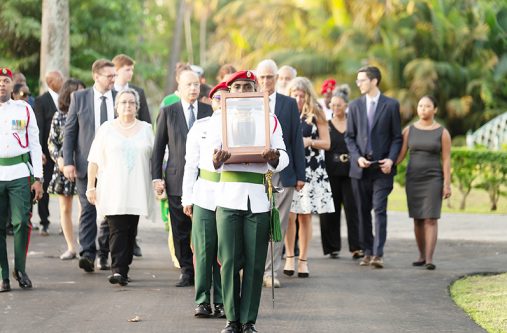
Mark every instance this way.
x=477 y=202
x=484 y=299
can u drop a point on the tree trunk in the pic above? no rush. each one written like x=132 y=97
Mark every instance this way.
x=55 y=46
x=175 y=48
x=202 y=36
x=188 y=34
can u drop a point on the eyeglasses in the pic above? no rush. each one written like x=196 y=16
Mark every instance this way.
x=266 y=77
x=358 y=82
x=109 y=77
x=124 y=103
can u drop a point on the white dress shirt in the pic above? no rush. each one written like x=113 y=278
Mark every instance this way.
x=14 y=120
x=96 y=106
x=186 y=111
x=235 y=195
x=199 y=155
x=119 y=87
x=272 y=102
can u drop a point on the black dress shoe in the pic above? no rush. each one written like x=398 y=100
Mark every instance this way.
x=6 y=286
x=232 y=327
x=117 y=278
x=137 y=250
x=185 y=281
x=23 y=279
x=249 y=328
x=219 y=311
x=102 y=264
x=86 y=264
x=203 y=310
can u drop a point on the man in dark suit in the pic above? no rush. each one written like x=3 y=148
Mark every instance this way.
x=173 y=124
x=88 y=109
x=374 y=141
x=293 y=176
x=45 y=107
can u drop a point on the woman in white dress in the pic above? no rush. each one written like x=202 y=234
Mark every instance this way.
x=119 y=165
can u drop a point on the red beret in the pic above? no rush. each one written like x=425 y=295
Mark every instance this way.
x=220 y=86
x=327 y=86
x=4 y=71
x=241 y=76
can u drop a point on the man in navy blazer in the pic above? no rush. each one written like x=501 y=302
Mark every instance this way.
x=88 y=109
x=173 y=123
x=293 y=176
x=374 y=141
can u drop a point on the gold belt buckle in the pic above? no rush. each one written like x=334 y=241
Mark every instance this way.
x=344 y=158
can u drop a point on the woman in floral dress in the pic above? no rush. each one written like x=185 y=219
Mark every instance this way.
x=64 y=188
x=315 y=197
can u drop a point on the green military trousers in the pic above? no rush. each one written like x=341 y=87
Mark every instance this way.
x=242 y=244
x=14 y=194
x=204 y=242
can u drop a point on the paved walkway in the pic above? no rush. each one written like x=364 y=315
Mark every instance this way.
x=339 y=296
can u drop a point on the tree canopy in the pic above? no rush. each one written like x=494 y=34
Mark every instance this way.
x=453 y=49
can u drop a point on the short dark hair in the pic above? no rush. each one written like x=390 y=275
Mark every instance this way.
x=101 y=63
x=372 y=72
x=432 y=99
x=68 y=88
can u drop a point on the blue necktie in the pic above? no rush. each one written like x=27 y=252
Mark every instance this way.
x=191 y=119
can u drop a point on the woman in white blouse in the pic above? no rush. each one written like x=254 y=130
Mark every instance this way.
x=119 y=165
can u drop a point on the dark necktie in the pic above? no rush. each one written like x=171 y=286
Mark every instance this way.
x=191 y=118
x=103 y=110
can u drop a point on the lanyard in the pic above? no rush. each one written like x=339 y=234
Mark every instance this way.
x=16 y=136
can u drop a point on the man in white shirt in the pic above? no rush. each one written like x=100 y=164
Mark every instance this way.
x=20 y=163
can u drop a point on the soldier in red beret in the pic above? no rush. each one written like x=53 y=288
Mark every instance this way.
x=200 y=180
x=242 y=217
x=326 y=91
x=20 y=174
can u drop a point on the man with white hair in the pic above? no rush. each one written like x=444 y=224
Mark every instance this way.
x=285 y=74
x=293 y=176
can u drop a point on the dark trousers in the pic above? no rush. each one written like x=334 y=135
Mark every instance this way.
x=181 y=226
x=122 y=236
x=88 y=223
x=330 y=223
x=371 y=193
x=15 y=196
x=43 y=204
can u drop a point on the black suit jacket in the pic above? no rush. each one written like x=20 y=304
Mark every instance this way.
x=386 y=136
x=286 y=110
x=45 y=108
x=144 y=111
x=172 y=132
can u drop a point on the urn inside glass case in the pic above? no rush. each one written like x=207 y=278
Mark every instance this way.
x=245 y=126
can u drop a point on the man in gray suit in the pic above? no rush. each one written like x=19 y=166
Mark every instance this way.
x=374 y=140
x=293 y=176
x=173 y=123
x=88 y=109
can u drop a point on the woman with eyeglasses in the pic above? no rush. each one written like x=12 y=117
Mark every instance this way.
x=337 y=167
x=315 y=197
x=119 y=179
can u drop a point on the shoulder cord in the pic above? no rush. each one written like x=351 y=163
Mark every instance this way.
x=16 y=136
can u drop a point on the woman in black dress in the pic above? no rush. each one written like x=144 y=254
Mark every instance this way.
x=59 y=184
x=428 y=177
x=337 y=166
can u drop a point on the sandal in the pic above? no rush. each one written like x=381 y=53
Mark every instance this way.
x=419 y=263
x=288 y=269
x=303 y=269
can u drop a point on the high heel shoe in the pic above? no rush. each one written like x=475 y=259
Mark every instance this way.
x=288 y=269
x=303 y=271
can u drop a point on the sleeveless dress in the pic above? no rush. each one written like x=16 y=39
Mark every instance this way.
x=316 y=197
x=424 y=177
